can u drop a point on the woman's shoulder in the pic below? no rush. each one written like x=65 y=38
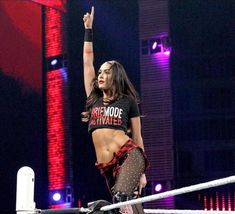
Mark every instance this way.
x=127 y=99
x=130 y=99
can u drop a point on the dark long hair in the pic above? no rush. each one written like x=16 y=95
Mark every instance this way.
x=121 y=86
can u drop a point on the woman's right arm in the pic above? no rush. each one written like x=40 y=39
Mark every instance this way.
x=88 y=55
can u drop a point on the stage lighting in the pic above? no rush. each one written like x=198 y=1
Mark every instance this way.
x=56 y=196
x=54 y=62
x=155 y=45
x=161 y=186
x=167 y=53
x=61 y=197
x=158 y=187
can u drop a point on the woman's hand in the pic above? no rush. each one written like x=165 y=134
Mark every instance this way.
x=143 y=182
x=88 y=19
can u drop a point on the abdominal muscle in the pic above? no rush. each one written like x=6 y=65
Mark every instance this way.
x=106 y=142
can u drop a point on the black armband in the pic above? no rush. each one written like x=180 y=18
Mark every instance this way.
x=88 y=37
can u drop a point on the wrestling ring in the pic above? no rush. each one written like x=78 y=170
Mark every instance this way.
x=25 y=197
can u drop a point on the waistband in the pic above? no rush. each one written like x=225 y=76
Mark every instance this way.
x=121 y=154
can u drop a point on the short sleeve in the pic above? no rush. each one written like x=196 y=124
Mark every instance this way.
x=134 y=109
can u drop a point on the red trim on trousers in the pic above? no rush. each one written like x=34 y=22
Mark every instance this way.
x=119 y=157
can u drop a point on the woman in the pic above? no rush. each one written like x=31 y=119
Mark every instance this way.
x=111 y=109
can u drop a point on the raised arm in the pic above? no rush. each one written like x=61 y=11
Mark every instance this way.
x=88 y=55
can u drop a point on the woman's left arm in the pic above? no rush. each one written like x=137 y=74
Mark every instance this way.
x=136 y=132
x=137 y=138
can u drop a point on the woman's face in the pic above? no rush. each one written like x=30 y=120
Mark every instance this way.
x=105 y=76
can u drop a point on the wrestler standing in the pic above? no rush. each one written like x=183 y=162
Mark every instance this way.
x=111 y=110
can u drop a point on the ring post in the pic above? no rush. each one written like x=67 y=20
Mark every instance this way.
x=25 y=191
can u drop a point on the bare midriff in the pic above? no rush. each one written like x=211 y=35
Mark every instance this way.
x=106 y=142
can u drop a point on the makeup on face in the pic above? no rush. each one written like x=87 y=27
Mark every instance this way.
x=104 y=76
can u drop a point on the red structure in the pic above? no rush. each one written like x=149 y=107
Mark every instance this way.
x=58 y=136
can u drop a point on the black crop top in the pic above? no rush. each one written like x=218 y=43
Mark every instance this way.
x=116 y=115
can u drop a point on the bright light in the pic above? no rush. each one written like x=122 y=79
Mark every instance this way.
x=167 y=53
x=56 y=196
x=158 y=187
x=54 y=62
x=154 y=45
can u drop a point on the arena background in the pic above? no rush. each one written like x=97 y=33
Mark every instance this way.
x=186 y=85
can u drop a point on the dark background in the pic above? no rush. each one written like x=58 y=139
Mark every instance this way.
x=203 y=48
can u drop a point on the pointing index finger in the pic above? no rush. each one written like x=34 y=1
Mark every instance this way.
x=92 y=11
